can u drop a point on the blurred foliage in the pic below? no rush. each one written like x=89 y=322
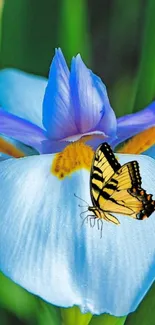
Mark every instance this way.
x=74 y=26
x=28 y=308
x=145 y=89
x=117 y=37
x=145 y=313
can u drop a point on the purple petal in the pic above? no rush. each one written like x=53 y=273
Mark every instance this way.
x=90 y=100
x=50 y=146
x=58 y=117
x=130 y=125
x=21 y=130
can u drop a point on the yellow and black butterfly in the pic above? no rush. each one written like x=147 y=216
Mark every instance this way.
x=116 y=189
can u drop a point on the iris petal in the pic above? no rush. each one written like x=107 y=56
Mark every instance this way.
x=132 y=124
x=22 y=94
x=90 y=100
x=150 y=152
x=4 y=156
x=58 y=116
x=44 y=248
x=21 y=130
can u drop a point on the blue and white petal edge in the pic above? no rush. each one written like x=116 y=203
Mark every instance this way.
x=22 y=94
x=52 y=256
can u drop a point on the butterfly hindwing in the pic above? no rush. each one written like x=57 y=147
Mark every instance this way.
x=128 y=198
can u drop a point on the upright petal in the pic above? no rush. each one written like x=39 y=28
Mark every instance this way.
x=58 y=116
x=90 y=100
x=44 y=248
x=21 y=130
x=22 y=94
x=132 y=124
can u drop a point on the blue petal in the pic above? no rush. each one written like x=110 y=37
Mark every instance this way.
x=58 y=118
x=132 y=124
x=150 y=152
x=44 y=248
x=90 y=100
x=4 y=156
x=22 y=94
x=21 y=130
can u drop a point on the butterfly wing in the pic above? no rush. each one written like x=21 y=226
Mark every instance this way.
x=126 y=196
x=103 y=167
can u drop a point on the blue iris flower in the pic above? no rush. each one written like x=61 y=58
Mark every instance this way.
x=42 y=244
x=46 y=115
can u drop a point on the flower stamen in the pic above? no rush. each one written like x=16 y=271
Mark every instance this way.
x=75 y=156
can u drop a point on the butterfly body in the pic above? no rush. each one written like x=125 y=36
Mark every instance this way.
x=117 y=189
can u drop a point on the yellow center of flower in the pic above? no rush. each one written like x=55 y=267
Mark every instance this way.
x=9 y=149
x=75 y=156
x=140 y=142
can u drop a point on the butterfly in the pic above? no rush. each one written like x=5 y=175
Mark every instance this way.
x=117 y=189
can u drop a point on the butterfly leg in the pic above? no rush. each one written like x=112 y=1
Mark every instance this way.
x=100 y=221
x=92 y=218
x=86 y=218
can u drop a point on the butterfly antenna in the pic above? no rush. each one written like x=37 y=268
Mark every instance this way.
x=81 y=200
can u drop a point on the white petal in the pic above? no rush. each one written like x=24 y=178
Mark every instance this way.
x=44 y=248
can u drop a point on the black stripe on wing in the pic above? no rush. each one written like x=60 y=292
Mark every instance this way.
x=104 y=166
x=134 y=172
x=110 y=157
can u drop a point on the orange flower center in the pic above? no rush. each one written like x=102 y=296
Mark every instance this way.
x=75 y=156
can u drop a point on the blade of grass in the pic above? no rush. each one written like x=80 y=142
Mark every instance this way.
x=1 y=14
x=145 y=89
x=73 y=29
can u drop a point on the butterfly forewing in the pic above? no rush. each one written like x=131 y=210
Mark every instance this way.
x=104 y=166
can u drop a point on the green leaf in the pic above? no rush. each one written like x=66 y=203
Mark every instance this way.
x=3 y=317
x=73 y=315
x=25 y=305
x=73 y=29
x=145 y=90
x=107 y=320
x=48 y=314
x=145 y=313
x=16 y=299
